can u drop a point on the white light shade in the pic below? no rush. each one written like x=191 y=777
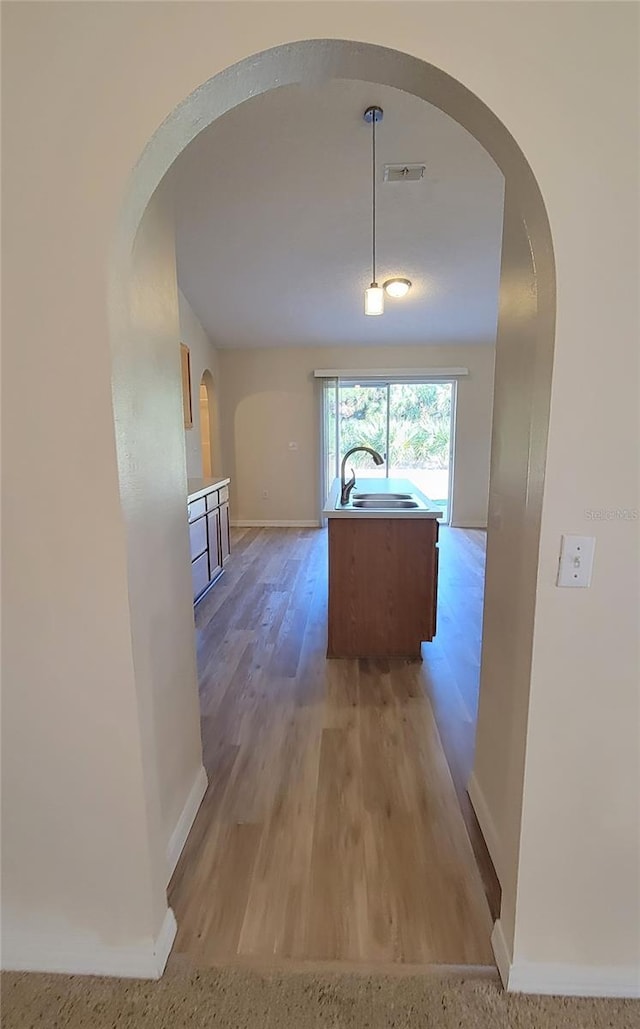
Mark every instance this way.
x=374 y=299
x=397 y=287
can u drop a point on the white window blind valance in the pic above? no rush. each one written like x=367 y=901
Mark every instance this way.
x=356 y=375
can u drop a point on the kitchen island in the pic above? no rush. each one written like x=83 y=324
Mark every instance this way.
x=383 y=569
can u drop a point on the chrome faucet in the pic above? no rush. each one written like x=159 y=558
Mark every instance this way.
x=346 y=487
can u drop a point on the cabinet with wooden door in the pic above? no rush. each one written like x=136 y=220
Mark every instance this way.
x=209 y=537
x=383 y=585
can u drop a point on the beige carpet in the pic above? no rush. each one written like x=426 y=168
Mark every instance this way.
x=239 y=998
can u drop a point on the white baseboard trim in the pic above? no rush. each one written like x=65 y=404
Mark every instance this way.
x=501 y=952
x=468 y=525
x=186 y=820
x=562 y=980
x=485 y=821
x=81 y=954
x=164 y=942
x=277 y=523
x=575 y=980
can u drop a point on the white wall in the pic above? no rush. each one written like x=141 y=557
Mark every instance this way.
x=510 y=581
x=270 y=398
x=69 y=699
x=153 y=497
x=87 y=812
x=203 y=358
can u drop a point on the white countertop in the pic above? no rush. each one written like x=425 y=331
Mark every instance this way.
x=198 y=487
x=425 y=510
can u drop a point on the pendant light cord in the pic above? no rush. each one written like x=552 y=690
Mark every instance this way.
x=373 y=196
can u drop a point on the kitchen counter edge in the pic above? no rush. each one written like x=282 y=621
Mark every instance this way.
x=197 y=488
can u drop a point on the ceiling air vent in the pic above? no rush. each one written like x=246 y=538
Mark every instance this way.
x=403 y=172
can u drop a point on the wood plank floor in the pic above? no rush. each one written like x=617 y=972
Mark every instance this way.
x=331 y=829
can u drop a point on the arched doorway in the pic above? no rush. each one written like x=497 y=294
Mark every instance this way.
x=209 y=443
x=523 y=371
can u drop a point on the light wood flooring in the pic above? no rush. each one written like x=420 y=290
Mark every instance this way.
x=331 y=829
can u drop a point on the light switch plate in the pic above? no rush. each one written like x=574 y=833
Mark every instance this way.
x=576 y=561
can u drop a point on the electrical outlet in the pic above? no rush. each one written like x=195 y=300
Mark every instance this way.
x=576 y=561
x=265 y=494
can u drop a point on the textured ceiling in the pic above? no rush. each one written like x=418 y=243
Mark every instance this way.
x=273 y=208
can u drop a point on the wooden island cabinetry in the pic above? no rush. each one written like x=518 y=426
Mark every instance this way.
x=383 y=570
x=383 y=583
x=208 y=513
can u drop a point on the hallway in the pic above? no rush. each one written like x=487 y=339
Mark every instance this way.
x=331 y=829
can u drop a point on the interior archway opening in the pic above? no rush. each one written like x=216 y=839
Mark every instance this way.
x=524 y=350
x=209 y=428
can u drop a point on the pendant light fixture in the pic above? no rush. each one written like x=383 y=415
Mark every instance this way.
x=374 y=295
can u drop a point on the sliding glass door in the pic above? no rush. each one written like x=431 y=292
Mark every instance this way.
x=329 y=430
x=420 y=437
x=362 y=420
x=409 y=423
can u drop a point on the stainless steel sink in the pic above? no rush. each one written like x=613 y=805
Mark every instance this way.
x=388 y=504
x=381 y=496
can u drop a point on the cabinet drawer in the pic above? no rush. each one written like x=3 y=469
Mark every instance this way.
x=198 y=537
x=195 y=509
x=213 y=500
x=224 y=494
x=200 y=574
